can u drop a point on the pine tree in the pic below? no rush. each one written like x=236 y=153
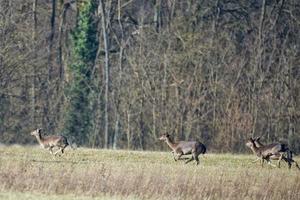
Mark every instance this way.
x=84 y=39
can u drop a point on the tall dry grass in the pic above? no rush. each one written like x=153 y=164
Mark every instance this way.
x=143 y=175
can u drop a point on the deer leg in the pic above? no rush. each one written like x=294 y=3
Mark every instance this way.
x=62 y=150
x=189 y=160
x=279 y=159
x=288 y=161
x=296 y=164
x=257 y=159
x=51 y=150
x=262 y=161
x=267 y=158
x=290 y=164
x=57 y=151
x=293 y=161
x=174 y=156
x=196 y=158
x=269 y=162
x=178 y=156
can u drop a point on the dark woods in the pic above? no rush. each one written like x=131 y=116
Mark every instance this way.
x=119 y=73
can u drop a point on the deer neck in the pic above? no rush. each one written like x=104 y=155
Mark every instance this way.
x=258 y=144
x=255 y=149
x=171 y=144
x=40 y=139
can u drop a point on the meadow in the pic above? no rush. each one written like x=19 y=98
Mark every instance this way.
x=32 y=173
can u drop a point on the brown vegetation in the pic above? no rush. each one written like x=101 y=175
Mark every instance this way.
x=144 y=175
x=218 y=71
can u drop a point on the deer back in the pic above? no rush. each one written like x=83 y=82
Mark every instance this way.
x=55 y=140
x=272 y=149
x=186 y=146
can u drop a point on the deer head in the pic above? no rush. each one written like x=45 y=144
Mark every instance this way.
x=164 y=137
x=250 y=143
x=36 y=132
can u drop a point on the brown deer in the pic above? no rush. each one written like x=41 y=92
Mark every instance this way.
x=184 y=148
x=259 y=144
x=49 y=142
x=288 y=159
x=271 y=151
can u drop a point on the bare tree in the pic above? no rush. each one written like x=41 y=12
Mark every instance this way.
x=106 y=71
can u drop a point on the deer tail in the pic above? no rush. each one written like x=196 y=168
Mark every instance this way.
x=204 y=150
x=289 y=154
x=72 y=144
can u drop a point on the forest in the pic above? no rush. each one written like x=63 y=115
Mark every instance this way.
x=119 y=73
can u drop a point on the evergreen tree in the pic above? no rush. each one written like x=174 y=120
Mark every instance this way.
x=84 y=38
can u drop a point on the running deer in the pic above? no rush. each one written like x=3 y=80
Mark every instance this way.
x=271 y=151
x=49 y=142
x=184 y=148
x=288 y=159
x=259 y=144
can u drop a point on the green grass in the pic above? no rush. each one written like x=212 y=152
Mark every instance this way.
x=32 y=173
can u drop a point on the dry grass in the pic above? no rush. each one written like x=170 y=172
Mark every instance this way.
x=108 y=174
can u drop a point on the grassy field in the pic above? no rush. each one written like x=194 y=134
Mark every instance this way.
x=32 y=173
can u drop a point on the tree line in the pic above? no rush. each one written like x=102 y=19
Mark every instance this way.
x=119 y=73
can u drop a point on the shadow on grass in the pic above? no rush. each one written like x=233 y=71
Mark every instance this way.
x=66 y=161
x=55 y=161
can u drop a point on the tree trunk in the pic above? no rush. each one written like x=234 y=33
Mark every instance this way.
x=256 y=87
x=157 y=17
x=62 y=17
x=107 y=81
x=116 y=135
x=33 y=86
x=128 y=129
x=51 y=39
x=47 y=109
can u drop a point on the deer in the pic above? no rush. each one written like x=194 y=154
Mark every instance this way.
x=49 y=142
x=259 y=144
x=272 y=151
x=184 y=148
x=288 y=159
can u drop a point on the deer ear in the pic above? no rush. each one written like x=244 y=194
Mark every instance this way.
x=256 y=138
x=39 y=130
